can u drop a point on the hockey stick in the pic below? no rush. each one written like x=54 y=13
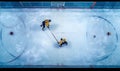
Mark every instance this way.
x=53 y=35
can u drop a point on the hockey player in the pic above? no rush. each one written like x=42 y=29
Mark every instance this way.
x=62 y=41
x=45 y=23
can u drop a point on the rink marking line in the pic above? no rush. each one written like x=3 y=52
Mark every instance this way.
x=18 y=19
x=105 y=57
x=15 y=57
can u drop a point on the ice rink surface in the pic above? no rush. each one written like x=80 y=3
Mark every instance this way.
x=92 y=35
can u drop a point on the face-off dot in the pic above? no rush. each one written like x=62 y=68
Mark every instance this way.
x=94 y=36
x=11 y=33
x=108 y=33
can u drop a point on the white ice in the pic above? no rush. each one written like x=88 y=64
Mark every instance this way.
x=76 y=25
